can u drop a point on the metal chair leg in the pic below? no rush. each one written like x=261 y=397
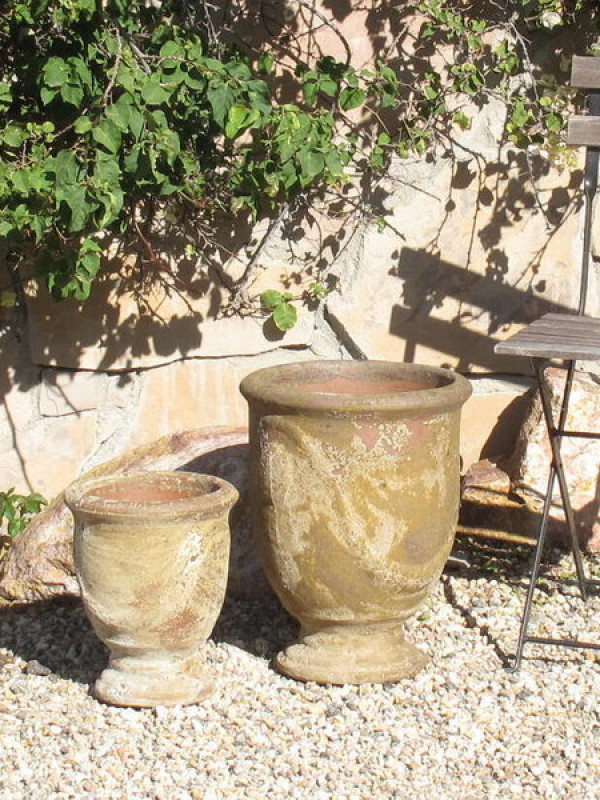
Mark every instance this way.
x=535 y=571
x=556 y=471
x=555 y=434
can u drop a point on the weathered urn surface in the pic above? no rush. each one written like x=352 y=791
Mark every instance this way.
x=356 y=471
x=151 y=554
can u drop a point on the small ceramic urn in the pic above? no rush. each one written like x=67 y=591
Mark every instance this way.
x=355 y=468
x=151 y=556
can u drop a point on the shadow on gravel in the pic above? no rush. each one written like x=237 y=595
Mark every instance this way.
x=476 y=558
x=490 y=560
x=481 y=559
x=55 y=637
x=261 y=626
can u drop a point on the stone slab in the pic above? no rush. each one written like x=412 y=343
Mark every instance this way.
x=110 y=332
x=63 y=393
x=462 y=262
x=490 y=422
x=529 y=463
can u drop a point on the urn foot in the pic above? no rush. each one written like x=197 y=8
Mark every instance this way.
x=352 y=654
x=146 y=689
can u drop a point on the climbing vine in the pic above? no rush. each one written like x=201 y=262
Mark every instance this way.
x=113 y=112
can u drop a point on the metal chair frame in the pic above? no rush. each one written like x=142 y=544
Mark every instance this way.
x=567 y=338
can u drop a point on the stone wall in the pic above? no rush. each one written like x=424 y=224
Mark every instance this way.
x=455 y=254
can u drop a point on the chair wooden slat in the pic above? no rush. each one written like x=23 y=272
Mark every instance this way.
x=583 y=131
x=585 y=72
x=563 y=336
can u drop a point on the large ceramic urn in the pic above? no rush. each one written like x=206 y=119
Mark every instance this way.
x=355 y=471
x=151 y=555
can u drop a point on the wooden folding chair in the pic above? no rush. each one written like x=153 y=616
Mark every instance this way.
x=565 y=338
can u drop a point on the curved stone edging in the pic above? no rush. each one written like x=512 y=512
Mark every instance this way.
x=39 y=565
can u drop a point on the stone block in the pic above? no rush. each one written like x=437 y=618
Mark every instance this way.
x=201 y=392
x=188 y=394
x=19 y=385
x=491 y=419
x=52 y=451
x=12 y=474
x=125 y=327
x=463 y=262
x=490 y=509
x=63 y=392
x=530 y=461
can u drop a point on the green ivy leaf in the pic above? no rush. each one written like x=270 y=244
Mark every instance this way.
x=311 y=164
x=310 y=91
x=266 y=63
x=33 y=502
x=285 y=316
x=238 y=119
x=172 y=49
x=89 y=245
x=71 y=94
x=136 y=122
x=80 y=210
x=108 y=135
x=47 y=95
x=554 y=122
x=89 y=264
x=221 y=99
x=66 y=168
x=520 y=114
x=328 y=86
x=120 y=112
x=5 y=95
x=271 y=298
x=21 y=180
x=55 y=72
x=82 y=125
x=351 y=97
x=81 y=73
x=462 y=120
x=154 y=94
x=13 y=136
x=334 y=164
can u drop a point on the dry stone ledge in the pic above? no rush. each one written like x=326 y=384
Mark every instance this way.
x=507 y=503
x=39 y=565
x=489 y=508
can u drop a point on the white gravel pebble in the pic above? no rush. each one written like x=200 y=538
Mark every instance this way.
x=463 y=729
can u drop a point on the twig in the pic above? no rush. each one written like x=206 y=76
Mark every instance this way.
x=330 y=24
x=142 y=57
x=239 y=295
x=113 y=77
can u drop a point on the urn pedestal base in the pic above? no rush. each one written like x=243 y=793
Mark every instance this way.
x=144 y=686
x=366 y=653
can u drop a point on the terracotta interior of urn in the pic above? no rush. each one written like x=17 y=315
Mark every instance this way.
x=351 y=381
x=146 y=492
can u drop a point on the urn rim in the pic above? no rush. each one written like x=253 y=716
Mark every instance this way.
x=162 y=495
x=356 y=386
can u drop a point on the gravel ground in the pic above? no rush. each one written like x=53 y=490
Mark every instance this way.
x=463 y=728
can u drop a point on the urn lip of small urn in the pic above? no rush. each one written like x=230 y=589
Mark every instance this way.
x=356 y=386
x=160 y=494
